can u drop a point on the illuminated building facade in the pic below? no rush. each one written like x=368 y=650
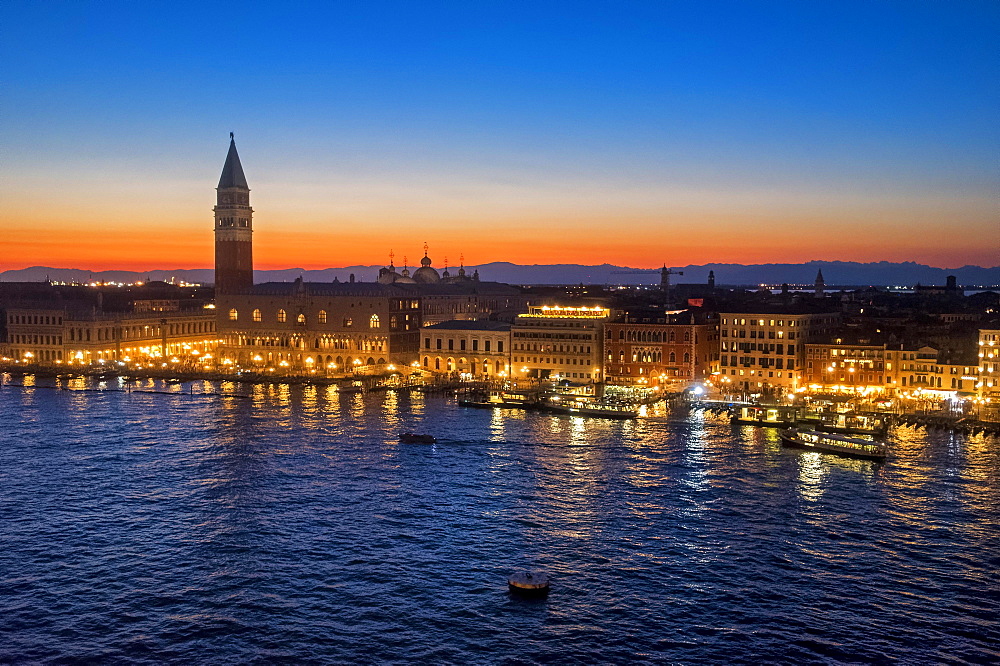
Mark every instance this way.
x=659 y=354
x=323 y=327
x=559 y=342
x=988 y=389
x=60 y=336
x=476 y=348
x=887 y=369
x=766 y=352
x=331 y=328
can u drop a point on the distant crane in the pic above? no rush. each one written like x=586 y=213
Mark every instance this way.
x=664 y=272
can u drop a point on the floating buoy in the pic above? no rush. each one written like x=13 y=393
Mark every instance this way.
x=530 y=583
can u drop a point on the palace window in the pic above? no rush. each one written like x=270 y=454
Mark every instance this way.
x=373 y=322
x=282 y=316
x=256 y=315
x=233 y=315
x=301 y=319
x=322 y=316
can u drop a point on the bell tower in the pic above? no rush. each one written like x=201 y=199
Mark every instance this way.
x=233 y=228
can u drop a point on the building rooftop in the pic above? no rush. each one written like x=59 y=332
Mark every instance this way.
x=471 y=325
x=375 y=289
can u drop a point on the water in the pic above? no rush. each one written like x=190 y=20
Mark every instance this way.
x=294 y=527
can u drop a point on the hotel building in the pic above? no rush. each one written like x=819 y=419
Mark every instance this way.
x=647 y=354
x=766 y=352
x=554 y=342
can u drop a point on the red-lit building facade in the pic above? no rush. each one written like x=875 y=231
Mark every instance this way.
x=659 y=354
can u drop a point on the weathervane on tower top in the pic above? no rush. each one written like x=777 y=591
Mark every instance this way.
x=231 y=137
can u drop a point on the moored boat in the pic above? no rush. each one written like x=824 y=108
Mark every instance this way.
x=852 y=447
x=774 y=416
x=594 y=409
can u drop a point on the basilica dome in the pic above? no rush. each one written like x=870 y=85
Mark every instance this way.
x=425 y=273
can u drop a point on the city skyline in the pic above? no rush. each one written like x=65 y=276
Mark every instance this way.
x=667 y=135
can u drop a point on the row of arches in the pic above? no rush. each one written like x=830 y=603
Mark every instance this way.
x=463 y=365
x=281 y=316
x=320 y=361
x=652 y=357
x=652 y=336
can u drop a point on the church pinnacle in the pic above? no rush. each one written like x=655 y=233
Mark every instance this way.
x=232 y=171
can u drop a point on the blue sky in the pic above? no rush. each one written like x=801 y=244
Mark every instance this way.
x=411 y=120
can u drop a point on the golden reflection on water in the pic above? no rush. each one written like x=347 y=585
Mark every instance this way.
x=390 y=409
x=418 y=403
x=310 y=403
x=356 y=405
x=812 y=472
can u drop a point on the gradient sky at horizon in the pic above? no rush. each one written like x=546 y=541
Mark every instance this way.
x=631 y=133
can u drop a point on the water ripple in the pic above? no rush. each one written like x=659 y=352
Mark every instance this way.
x=294 y=527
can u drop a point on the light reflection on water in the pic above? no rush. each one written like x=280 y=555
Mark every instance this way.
x=294 y=526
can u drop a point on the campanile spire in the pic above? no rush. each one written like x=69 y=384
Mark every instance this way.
x=233 y=227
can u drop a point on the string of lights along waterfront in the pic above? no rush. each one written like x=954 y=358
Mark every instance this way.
x=294 y=527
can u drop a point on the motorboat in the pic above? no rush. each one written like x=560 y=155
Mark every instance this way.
x=595 y=409
x=415 y=438
x=852 y=447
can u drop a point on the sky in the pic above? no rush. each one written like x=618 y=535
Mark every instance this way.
x=632 y=133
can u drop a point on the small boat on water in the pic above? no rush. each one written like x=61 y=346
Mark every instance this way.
x=852 y=447
x=415 y=438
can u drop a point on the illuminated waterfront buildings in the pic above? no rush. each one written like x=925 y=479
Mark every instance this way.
x=660 y=354
x=766 y=351
x=331 y=328
x=471 y=348
x=553 y=342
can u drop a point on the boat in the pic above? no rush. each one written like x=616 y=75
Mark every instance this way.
x=501 y=403
x=596 y=409
x=415 y=438
x=775 y=416
x=852 y=447
x=854 y=424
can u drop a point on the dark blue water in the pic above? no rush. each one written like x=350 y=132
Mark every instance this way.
x=294 y=527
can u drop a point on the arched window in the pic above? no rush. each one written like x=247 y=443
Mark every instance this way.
x=687 y=357
x=671 y=336
x=233 y=315
x=673 y=357
x=373 y=322
x=322 y=316
x=348 y=322
x=437 y=363
x=282 y=316
x=256 y=315
x=687 y=336
x=301 y=319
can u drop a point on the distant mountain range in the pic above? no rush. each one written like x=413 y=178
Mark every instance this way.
x=881 y=273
